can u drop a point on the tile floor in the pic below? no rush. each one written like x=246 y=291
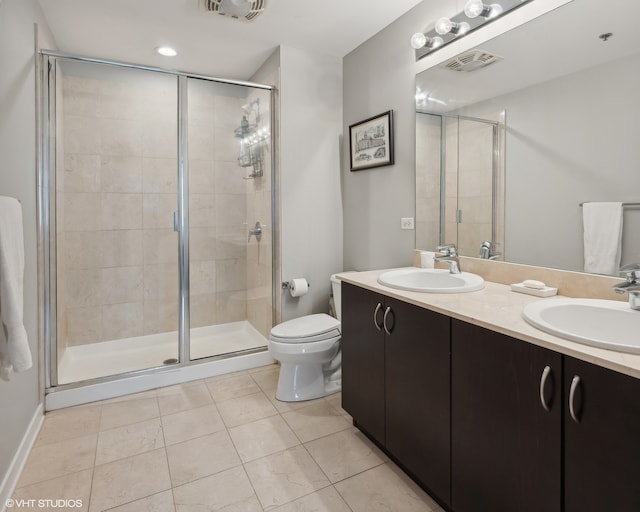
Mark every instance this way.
x=219 y=444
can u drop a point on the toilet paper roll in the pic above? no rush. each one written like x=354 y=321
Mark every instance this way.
x=427 y=259
x=298 y=287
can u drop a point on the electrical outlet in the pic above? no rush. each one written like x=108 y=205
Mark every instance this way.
x=406 y=223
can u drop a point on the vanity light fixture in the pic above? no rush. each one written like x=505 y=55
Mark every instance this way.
x=475 y=14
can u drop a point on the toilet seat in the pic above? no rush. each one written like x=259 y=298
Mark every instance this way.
x=306 y=329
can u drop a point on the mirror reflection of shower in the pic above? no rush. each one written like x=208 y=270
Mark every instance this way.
x=254 y=135
x=460 y=183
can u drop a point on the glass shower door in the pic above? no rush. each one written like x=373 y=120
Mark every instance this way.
x=229 y=210
x=476 y=149
x=115 y=249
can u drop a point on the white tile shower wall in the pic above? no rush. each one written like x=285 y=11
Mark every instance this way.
x=118 y=253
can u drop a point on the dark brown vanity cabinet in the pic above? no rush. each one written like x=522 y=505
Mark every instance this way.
x=396 y=381
x=486 y=422
x=363 y=359
x=601 y=439
x=506 y=423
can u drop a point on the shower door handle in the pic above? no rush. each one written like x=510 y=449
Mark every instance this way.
x=176 y=224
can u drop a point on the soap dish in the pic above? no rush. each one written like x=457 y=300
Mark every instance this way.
x=547 y=291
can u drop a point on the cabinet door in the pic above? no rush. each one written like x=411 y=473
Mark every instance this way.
x=418 y=412
x=602 y=449
x=506 y=447
x=363 y=359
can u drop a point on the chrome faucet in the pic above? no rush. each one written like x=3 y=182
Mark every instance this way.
x=632 y=287
x=449 y=256
x=487 y=251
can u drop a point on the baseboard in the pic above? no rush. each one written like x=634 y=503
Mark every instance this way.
x=10 y=480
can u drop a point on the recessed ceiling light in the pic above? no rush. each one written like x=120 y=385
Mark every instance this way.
x=167 y=51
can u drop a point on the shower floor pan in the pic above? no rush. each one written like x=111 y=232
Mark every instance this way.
x=90 y=361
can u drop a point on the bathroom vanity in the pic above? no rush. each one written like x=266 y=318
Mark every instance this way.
x=483 y=410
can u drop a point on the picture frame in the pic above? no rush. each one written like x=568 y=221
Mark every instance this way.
x=371 y=142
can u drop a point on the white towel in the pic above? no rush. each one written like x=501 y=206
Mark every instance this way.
x=602 y=237
x=15 y=353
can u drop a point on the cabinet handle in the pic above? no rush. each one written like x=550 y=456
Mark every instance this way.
x=572 y=392
x=375 y=316
x=384 y=320
x=543 y=383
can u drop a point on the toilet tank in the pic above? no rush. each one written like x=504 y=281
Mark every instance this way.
x=336 y=288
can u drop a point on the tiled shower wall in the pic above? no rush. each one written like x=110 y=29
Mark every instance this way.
x=117 y=265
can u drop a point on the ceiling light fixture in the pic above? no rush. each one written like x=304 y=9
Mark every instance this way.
x=166 y=51
x=476 y=14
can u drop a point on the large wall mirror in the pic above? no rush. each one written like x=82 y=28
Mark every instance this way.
x=563 y=95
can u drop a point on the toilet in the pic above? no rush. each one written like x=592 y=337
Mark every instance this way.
x=308 y=349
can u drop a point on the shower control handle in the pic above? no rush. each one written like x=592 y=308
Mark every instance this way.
x=255 y=231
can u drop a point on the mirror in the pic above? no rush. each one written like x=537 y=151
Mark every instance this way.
x=566 y=95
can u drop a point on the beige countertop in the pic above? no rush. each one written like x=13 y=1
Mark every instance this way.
x=499 y=309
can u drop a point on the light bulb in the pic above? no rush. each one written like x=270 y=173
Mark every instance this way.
x=418 y=40
x=473 y=8
x=444 y=26
x=434 y=42
x=496 y=10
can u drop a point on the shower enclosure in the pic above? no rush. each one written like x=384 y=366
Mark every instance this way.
x=156 y=219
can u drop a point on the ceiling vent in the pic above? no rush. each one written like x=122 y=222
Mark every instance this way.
x=246 y=10
x=471 y=61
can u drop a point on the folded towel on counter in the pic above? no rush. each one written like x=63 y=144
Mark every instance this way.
x=15 y=353
x=602 y=237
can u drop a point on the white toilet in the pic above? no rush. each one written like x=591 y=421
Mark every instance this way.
x=308 y=349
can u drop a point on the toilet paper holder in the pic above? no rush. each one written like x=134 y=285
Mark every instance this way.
x=287 y=284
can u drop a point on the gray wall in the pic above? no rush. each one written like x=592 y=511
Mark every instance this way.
x=20 y=397
x=378 y=76
x=310 y=202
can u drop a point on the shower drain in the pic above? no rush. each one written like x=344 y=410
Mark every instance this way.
x=172 y=360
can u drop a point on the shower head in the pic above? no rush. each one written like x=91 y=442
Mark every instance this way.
x=246 y=10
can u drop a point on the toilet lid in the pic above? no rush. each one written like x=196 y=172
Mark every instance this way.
x=307 y=328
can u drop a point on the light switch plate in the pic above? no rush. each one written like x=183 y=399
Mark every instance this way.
x=406 y=223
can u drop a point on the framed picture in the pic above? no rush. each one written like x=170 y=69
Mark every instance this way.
x=371 y=142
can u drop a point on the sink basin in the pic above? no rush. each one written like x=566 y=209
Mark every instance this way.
x=606 y=324
x=431 y=280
